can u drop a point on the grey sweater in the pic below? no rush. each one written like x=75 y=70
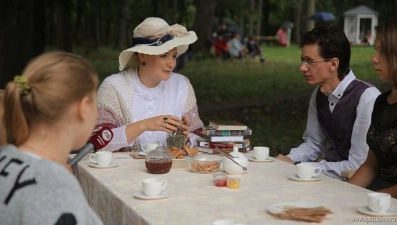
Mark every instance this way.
x=38 y=191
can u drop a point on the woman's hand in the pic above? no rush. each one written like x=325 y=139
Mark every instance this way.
x=167 y=123
x=185 y=126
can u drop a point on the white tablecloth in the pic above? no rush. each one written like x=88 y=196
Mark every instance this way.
x=195 y=200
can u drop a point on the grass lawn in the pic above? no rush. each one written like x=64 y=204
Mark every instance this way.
x=277 y=124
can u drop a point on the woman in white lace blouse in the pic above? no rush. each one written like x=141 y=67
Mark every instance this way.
x=147 y=100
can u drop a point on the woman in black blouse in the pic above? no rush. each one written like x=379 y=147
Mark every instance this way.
x=379 y=171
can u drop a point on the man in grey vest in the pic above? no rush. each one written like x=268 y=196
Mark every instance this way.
x=339 y=109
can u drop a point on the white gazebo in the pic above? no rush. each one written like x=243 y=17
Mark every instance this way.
x=358 y=21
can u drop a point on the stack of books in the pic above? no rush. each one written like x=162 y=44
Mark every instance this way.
x=224 y=135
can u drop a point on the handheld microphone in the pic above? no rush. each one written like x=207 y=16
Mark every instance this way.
x=100 y=137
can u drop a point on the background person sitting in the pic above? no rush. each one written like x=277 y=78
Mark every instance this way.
x=254 y=49
x=221 y=47
x=367 y=39
x=236 y=48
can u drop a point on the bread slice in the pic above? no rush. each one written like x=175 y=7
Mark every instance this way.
x=190 y=151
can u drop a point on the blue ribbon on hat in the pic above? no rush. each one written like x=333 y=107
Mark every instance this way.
x=151 y=42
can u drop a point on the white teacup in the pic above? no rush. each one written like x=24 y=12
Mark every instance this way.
x=261 y=153
x=102 y=158
x=153 y=186
x=149 y=146
x=307 y=171
x=379 y=202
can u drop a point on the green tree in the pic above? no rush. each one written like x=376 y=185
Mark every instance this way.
x=202 y=24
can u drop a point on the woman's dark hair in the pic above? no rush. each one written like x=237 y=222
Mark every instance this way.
x=386 y=33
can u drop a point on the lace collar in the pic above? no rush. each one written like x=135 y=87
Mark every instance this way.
x=145 y=92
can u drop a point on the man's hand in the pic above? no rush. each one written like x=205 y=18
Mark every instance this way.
x=285 y=159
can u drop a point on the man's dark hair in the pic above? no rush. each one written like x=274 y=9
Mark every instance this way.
x=332 y=43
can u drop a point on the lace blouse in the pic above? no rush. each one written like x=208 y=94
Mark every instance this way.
x=123 y=99
x=382 y=137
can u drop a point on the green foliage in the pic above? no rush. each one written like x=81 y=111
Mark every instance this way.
x=232 y=81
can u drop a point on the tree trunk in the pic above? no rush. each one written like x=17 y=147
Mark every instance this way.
x=240 y=16
x=251 y=18
x=310 y=9
x=259 y=20
x=154 y=4
x=297 y=21
x=175 y=12
x=220 y=11
x=96 y=24
x=265 y=17
x=39 y=19
x=78 y=37
x=166 y=11
x=21 y=39
x=107 y=23
x=64 y=34
x=202 y=25
x=51 y=24
x=123 y=25
x=181 y=11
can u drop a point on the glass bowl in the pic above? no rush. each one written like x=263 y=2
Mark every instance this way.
x=204 y=163
x=179 y=163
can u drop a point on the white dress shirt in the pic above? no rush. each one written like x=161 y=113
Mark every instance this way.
x=314 y=145
x=167 y=98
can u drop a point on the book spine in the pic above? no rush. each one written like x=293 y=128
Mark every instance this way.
x=199 y=132
x=245 y=149
x=227 y=132
x=226 y=138
x=213 y=151
x=228 y=145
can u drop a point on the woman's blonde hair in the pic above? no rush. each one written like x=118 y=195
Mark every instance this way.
x=54 y=81
x=386 y=33
x=134 y=61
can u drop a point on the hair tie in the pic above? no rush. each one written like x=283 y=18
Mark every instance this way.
x=22 y=84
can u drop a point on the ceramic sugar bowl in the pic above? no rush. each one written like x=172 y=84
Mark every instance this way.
x=231 y=167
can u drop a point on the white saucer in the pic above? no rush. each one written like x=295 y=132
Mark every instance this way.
x=297 y=178
x=279 y=207
x=367 y=211
x=253 y=159
x=142 y=153
x=141 y=195
x=95 y=165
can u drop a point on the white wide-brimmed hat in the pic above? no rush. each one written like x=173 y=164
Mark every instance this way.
x=154 y=37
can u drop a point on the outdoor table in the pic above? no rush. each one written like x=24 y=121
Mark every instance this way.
x=196 y=200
